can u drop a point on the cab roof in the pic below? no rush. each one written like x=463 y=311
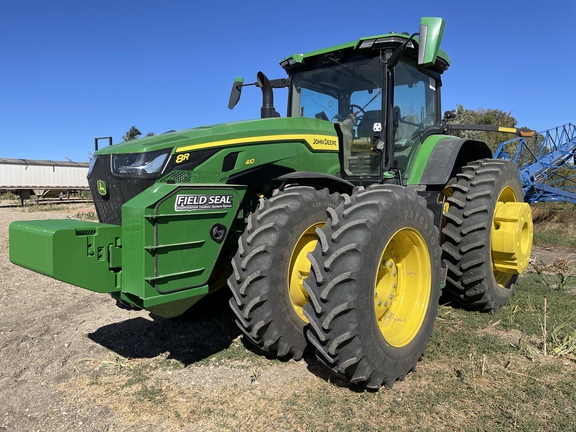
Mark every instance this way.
x=364 y=45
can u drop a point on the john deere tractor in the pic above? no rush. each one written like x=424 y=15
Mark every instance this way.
x=335 y=227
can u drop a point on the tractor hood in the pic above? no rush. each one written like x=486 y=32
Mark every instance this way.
x=209 y=155
x=229 y=134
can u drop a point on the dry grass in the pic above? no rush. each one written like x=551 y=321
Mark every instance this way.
x=555 y=224
x=481 y=372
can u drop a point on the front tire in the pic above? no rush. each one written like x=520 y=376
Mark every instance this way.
x=271 y=264
x=374 y=286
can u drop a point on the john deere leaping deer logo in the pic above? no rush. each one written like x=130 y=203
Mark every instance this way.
x=102 y=190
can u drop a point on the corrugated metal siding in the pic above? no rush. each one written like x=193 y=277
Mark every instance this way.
x=36 y=174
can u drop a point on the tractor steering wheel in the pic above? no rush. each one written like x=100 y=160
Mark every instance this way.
x=355 y=110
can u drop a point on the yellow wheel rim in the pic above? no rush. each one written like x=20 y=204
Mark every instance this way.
x=402 y=287
x=300 y=269
x=443 y=196
x=511 y=237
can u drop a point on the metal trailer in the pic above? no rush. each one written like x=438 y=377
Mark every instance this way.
x=42 y=178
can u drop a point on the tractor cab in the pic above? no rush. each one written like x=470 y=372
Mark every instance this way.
x=380 y=93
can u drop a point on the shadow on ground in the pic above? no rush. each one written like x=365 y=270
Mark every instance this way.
x=206 y=329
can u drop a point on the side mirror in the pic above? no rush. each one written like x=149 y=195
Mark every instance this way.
x=236 y=92
x=431 y=31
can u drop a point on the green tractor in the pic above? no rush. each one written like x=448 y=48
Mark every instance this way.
x=335 y=227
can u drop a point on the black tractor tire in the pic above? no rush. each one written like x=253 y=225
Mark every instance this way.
x=270 y=265
x=473 y=282
x=374 y=286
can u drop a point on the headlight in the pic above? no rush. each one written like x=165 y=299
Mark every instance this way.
x=140 y=164
x=91 y=167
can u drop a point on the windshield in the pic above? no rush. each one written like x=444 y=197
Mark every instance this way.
x=337 y=91
x=327 y=92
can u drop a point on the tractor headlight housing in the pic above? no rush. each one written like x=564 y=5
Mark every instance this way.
x=149 y=164
x=91 y=167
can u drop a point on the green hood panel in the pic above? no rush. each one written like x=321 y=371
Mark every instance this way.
x=260 y=130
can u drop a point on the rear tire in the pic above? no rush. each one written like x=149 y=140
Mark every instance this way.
x=270 y=266
x=374 y=286
x=479 y=276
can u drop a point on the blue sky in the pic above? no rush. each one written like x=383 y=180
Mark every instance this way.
x=74 y=70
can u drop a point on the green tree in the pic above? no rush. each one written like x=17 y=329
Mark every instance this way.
x=484 y=116
x=132 y=134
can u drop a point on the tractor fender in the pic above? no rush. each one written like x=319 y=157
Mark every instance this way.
x=311 y=178
x=448 y=155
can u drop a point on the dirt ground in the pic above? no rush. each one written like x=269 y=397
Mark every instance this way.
x=44 y=339
x=57 y=340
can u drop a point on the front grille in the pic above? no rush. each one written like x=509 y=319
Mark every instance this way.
x=193 y=177
x=119 y=190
